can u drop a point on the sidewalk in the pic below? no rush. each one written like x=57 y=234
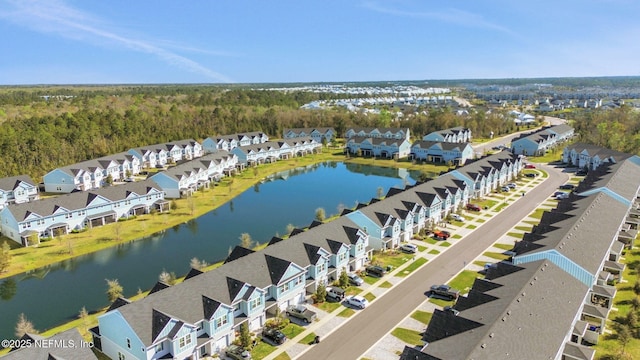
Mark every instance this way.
x=386 y=348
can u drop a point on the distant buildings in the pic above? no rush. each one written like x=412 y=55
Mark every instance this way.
x=538 y=143
x=457 y=134
x=320 y=135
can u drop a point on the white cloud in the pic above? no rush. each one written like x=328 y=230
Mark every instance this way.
x=56 y=17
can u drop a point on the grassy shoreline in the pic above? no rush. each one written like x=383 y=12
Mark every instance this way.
x=73 y=245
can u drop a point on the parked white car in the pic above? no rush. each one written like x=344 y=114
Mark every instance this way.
x=357 y=301
x=457 y=217
x=354 y=279
x=409 y=248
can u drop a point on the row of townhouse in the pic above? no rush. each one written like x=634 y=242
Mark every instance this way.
x=319 y=134
x=230 y=142
x=390 y=148
x=272 y=151
x=68 y=344
x=538 y=143
x=587 y=156
x=160 y=155
x=387 y=133
x=567 y=264
x=202 y=315
x=17 y=190
x=457 y=153
x=29 y=222
x=458 y=134
x=91 y=174
x=182 y=180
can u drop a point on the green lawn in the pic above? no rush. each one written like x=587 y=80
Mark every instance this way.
x=445 y=244
x=385 y=285
x=471 y=226
x=496 y=255
x=456 y=236
x=464 y=281
x=370 y=279
x=422 y=248
x=480 y=220
x=407 y=335
x=430 y=240
x=440 y=302
x=422 y=316
x=434 y=252
x=292 y=330
x=369 y=296
x=308 y=339
x=393 y=258
x=261 y=350
x=503 y=246
x=413 y=266
x=282 y=356
x=515 y=235
x=523 y=228
x=347 y=312
x=328 y=306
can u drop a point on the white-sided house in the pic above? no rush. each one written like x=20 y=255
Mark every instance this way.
x=458 y=134
x=90 y=174
x=388 y=133
x=17 y=190
x=151 y=156
x=590 y=156
x=375 y=220
x=539 y=142
x=442 y=152
x=28 y=222
x=189 y=149
x=379 y=147
x=326 y=134
x=184 y=179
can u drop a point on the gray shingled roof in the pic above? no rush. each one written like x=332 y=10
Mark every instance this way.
x=523 y=305
x=447 y=146
x=79 y=200
x=10 y=183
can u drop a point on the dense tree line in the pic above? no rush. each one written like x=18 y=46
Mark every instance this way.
x=617 y=129
x=38 y=135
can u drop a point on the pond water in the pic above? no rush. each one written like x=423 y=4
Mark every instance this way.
x=55 y=294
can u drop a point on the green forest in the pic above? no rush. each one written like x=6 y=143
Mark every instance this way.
x=42 y=128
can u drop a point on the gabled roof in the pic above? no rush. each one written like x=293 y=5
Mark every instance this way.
x=67 y=337
x=12 y=182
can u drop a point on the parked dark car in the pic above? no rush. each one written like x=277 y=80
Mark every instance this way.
x=473 y=207
x=567 y=186
x=581 y=172
x=444 y=291
x=530 y=175
x=274 y=335
x=301 y=312
x=375 y=270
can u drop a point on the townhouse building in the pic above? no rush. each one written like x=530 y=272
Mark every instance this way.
x=91 y=174
x=230 y=142
x=182 y=180
x=387 y=133
x=384 y=147
x=569 y=262
x=159 y=155
x=27 y=223
x=458 y=134
x=587 y=156
x=68 y=344
x=203 y=314
x=17 y=190
x=271 y=151
x=538 y=143
x=320 y=134
x=456 y=153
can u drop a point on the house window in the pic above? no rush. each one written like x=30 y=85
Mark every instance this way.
x=184 y=341
x=128 y=343
x=322 y=266
x=284 y=287
x=159 y=347
x=297 y=281
x=121 y=356
x=342 y=257
x=221 y=321
x=255 y=303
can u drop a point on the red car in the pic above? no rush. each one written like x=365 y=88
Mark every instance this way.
x=473 y=207
x=529 y=166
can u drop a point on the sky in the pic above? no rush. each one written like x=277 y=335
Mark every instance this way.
x=283 y=41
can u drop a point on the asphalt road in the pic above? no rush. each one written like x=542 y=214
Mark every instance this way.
x=363 y=330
